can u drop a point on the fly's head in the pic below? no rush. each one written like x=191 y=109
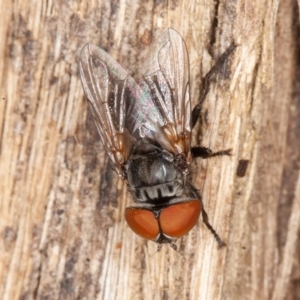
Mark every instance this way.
x=164 y=224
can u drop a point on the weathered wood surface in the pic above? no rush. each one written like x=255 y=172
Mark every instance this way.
x=63 y=234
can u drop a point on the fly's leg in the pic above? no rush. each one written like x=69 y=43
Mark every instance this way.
x=211 y=229
x=205 y=219
x=203 y=151
x=206 y=82
x=207 y=153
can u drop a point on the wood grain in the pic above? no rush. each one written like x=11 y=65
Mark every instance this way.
x=63 y=234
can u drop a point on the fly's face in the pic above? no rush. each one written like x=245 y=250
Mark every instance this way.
x=145 y=128
x=166 y=224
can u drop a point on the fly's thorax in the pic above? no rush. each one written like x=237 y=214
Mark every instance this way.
x=156 y=194
x=152 y=174
x=150 y=171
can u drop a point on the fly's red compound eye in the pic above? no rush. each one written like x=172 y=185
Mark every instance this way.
x=142 y=222
x=178 y=219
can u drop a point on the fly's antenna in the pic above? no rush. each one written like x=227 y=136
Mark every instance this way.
x=159 y=247
x=174 y=247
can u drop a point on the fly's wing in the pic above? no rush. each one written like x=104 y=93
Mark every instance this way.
x=166 y=83
x=109 y=90
x=123 y=111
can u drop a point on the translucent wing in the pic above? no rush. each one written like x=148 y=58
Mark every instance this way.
x=108 y=88
x=166 y=84
x=158 y=108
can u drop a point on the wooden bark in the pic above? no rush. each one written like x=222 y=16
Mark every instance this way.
x=63 y=234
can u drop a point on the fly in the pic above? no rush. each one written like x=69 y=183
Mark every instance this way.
x=146 y=130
